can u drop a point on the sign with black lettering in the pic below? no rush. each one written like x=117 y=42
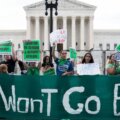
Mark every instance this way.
x=5 y=48
x=31 y=50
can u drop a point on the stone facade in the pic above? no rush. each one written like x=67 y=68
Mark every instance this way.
x=74 y=16
x=77 y=17
x=103 y=39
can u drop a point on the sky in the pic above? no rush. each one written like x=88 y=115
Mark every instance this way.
x=12 y=14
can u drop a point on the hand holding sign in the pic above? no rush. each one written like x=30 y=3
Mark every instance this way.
x=117 y=48
x=58 y=36
x=31 y=50
x=73 y=53
x=88 y=69
x=6 y=47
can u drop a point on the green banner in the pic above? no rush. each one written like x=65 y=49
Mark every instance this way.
x=6 y=48
x=73 y=53
x=58 y=98
x=31 y=50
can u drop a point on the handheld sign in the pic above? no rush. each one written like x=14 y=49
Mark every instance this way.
x=117 y=56
x=31 y=50
x=58 y=36
x=117 y=48
x=73 y=53
x=5 y=48
x=88 y=69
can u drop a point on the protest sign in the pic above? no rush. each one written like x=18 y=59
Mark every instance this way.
x=58 y=36
x=31 y=50
x=88 y=69
x=73 y=53
x=58 y=98
x=5 y=47
x=117 y=48
x=117 y=56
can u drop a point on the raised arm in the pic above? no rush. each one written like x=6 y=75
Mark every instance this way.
x=13 y=53
x=39 y=65
x=53 y=52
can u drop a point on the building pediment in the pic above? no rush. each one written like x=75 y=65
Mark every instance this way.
x=62 y=4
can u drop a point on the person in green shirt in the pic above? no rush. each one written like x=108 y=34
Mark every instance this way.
x=33 y=69
x=47 y=66
x=112 y=66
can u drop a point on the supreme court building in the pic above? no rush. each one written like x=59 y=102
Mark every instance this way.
x=74 y=16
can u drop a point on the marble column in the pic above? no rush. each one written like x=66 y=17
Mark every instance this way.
x=91 y=33
x=82 y=34
x=37 y=28
x=46 y=42
x=65 y=28
x=28 y=34
x=73 y=32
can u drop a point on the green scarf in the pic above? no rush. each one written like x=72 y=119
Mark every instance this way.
x=33 y=71
x=62 y=61
x=50 y=72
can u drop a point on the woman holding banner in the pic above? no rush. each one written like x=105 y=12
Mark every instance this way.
x=47 y=66
x=88 y=67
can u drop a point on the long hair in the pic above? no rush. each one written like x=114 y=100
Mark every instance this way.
x=46 y=63
x=110 y=61
x=3 y=68
x=91 y=60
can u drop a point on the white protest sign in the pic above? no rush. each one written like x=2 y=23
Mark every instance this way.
x=88 y=69
x=58 y=36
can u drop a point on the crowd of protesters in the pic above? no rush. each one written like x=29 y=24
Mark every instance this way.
x=62 y=66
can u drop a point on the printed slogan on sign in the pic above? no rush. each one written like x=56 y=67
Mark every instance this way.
x=31 y=50
x=5 y=47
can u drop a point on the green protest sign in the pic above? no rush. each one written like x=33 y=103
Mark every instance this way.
x=73 y=53
x=117 y=48
x=6 y=48
x=57 y=98
x=31 y=50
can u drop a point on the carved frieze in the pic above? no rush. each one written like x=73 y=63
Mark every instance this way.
x=62 y=4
